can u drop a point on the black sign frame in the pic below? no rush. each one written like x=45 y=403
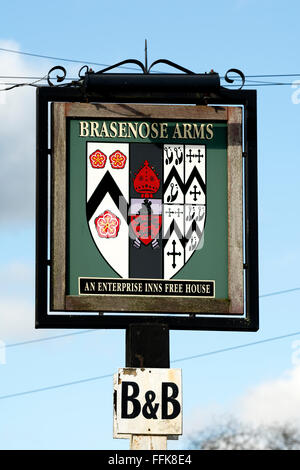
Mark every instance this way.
x=120 y=88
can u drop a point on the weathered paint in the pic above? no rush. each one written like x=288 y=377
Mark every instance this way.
x=149 y=382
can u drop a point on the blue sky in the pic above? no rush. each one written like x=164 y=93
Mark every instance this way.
x=262 y=380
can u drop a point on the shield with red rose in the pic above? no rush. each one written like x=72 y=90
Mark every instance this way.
x=146 y=205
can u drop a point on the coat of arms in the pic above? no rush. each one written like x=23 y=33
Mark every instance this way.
x=146 y=205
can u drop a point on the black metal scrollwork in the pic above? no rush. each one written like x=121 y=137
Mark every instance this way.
x=59 y=78
x=145 y=69
x=232 y=80
x=85 y=71
x=119 y=64
x=171 y=64
x=88 y=70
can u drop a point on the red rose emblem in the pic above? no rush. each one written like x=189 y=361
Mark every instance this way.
x=107 y=225
x=117 y=160
x=98 y=159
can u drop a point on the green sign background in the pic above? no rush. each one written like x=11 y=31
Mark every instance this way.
x=209 y=263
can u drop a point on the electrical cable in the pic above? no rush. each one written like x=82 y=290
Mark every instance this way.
x=48 y=338
x=253 y=85
x=233 y=348
x=256 y=83
x=187 y=358
x=51 y=387
x=31 y=54
x=280 y=292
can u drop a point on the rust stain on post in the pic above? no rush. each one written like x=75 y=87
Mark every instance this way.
x=129 y=372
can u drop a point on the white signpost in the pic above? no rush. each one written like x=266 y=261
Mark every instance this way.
x=147 y=406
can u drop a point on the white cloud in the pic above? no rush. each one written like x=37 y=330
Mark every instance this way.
x=269 y=403
x=16 y=302
x=16 y=272
x=16 y=282
x=17 y=140
x=200 y=418
x=275 y=401
x=16 y=320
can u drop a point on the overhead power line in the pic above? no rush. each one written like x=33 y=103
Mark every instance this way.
x=187 y=358
x=22 y=77
x=75 y=61
x=257 y=82
x=12 y=85
x=233 y=348
x=49 y=338
x=52 y=387
x=63 y=59
x=280 y=292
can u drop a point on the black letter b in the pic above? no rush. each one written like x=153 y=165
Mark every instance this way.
x=165 y=399
x=126 y=398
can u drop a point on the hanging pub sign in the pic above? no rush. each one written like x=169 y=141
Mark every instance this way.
x=147 y=211
x=147 y=215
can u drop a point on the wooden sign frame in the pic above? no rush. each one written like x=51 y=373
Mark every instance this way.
x=239 y=311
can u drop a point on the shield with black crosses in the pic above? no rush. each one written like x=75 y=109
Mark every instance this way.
x=184 y=201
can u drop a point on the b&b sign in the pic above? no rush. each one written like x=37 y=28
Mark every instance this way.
x=147 y=401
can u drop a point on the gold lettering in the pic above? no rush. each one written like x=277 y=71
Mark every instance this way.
x=122 y=129
x=187 y=131
x=84 y=129
x=94 y=129
x=154 y=130
x=210 y=131
x=198 y=131
x=163 y=130
x=141 y=133
x=113 y=129
x=177 y=133
x=132 y=129
x=104 y=130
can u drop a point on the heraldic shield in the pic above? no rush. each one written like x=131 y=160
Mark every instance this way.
x=146 y=205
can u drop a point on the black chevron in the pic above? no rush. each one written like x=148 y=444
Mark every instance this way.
x=174 y=228
x=174 y=174
x=184 y=186
x=182 y=238
x=193 y=228
x=195 y=174
x=107 y=186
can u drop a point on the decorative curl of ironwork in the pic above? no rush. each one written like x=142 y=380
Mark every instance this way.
x=124 y=62
x=59 y=78
x=85 y=71
x=145 y=69
x=88 y=70
x=232 y=80
x=171 y=64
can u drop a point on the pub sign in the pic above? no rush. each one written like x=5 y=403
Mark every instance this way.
x=147 y=209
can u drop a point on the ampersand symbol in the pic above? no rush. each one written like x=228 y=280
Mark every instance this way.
x=149 y=410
